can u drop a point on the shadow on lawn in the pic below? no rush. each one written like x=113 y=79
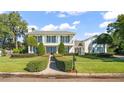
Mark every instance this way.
x=104 y=59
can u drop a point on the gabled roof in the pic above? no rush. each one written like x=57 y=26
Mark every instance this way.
x=95 y=36
x=50 y=33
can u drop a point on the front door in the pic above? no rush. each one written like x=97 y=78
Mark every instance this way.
x=51 y=49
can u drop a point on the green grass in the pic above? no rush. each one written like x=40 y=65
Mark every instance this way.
x=8 y=64
x=92 y=64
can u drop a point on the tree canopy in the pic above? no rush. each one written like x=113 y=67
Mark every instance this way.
x=31 y=41
x=104 y=39
x=12 y=26
x=116 y=29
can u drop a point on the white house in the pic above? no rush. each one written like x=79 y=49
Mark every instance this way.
x=90 y=46
x=51 y=40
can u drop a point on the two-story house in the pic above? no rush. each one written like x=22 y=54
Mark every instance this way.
x=52 y=39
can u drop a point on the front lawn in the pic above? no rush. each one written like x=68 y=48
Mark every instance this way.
x=92 y=64
x=8 y=64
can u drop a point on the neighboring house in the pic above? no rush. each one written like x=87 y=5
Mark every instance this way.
x=52 y=39
x=79 y=47
x=90 y=46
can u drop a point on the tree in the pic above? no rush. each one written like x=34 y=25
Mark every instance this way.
x=61 y=48
x=5 y=32
x=41 y=49
x=17 y=26
x=31 y=41
x=116 y=29
x=11 y=27
x=104 y=39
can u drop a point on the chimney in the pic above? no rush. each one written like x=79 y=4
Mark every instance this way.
x=31 y=29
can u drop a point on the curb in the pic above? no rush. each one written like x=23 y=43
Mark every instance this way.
x=67 y=75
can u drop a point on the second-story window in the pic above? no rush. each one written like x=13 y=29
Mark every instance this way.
x=51 y=39
x=65 y=39
x=39 y=38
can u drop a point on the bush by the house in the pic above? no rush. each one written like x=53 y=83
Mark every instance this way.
x=35 y=66
x=104 y=55
x=22 y=55
x=41 y=49
x=16 y=50
x=61 y=49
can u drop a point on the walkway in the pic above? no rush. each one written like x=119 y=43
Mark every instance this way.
x=119 y=56
x=52 y=69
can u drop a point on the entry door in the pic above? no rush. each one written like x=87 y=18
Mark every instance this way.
x=51 y=49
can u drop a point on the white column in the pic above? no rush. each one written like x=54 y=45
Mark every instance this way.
x=105 y=48
x=43 y=39
x=59 y=39
x=29 y=49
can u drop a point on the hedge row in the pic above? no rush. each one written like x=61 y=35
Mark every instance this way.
x=36 y=66
x=99 y=54
x=22 y=55
x=65 y=66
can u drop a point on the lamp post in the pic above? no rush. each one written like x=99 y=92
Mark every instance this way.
x=73 y=60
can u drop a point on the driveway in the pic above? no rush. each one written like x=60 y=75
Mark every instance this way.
x=119 y=56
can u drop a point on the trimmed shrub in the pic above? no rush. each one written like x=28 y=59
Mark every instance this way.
x=61 y=49
x=16 y=50
x=41 y=49
x=65 y=66
x=107 y=55
x=22 y=55
x=34 y=66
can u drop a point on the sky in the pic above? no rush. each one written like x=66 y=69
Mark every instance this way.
x=85 y=24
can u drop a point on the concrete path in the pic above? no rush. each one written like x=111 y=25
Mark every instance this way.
x=119 y=56
x=52 y=69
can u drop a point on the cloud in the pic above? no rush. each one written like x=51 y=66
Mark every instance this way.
x=76 y=22
x=91 y=34
x=74 y=13
x=63 y=26
x=61 y=15
x=66 y=26
x=33 y=26
x=49 y=27
x=105 y=24
x=111 y=14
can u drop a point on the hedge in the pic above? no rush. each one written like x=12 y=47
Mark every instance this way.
x=35 y=66
x=22 y=55
x=62 y=65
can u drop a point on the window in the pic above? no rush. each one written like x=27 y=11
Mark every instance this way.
x=51 y=39
x=65 y=39
x=39 y=38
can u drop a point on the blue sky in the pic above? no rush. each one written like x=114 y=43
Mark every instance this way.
x=84 y=23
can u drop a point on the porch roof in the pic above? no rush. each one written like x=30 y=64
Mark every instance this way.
x=50 y=33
